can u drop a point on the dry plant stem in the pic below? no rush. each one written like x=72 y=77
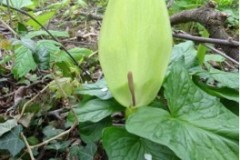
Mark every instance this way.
x=63 y=133
x=213 y=21
x=30 y=101
x=22 y=155
x=12 y=93
x=184 y=35
x=8 y=27
x=28 y=146
x=49 y=33
x=7 y=95
x=131 y=87
x=56 y=137
x=205 y=40
x=222 y=54
x=59 y=135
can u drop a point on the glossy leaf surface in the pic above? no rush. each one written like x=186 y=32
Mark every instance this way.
x=121 y=145
x=197 y=127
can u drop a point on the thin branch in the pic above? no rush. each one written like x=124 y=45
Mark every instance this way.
x=181 y=35
x=50 y=34
x=7 y=95
x=28 y=146
x=221 y=53
x=9 y=28
x=31 y=100
x=213 y=21
x=65 y=132
x=205 y=40
x=55 y=137
x=28 y=86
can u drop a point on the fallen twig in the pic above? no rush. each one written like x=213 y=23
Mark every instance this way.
x=205 y=40
x=28 y=102
x=28 y=146
x=9 y=28
x=55 y=137
x=213 y=21
x=222 y=54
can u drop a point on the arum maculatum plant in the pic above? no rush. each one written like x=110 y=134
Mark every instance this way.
x=134 y=49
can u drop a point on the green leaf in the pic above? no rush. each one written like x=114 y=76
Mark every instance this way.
x=201 y=48
x=52 y=47
x=83 y=153
x=28 y=43
x=7 y=126
x=98 y=89
x=11 y=141
x=33 y=140
x=121 y=145
x=222 y=92
x=58 y=146
x=50 y=131
x=61 y=34
x=224 y=79
x=24 y=62
x=65 y=63
x=96 y=110
x=18 y=3
x=215 y=58
x=92 y=132
x=184 y=51
x=67 y=86
x=231 y=105
x=21 y=28
x=58 y=5
x=81 y=3
x=79 y=53
x=62 y=57
x=64 y=67
x=197 y=127
x=42 y=57
x=43 y=19
x=4 y=60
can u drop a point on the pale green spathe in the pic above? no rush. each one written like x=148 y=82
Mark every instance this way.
x=135 y=37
